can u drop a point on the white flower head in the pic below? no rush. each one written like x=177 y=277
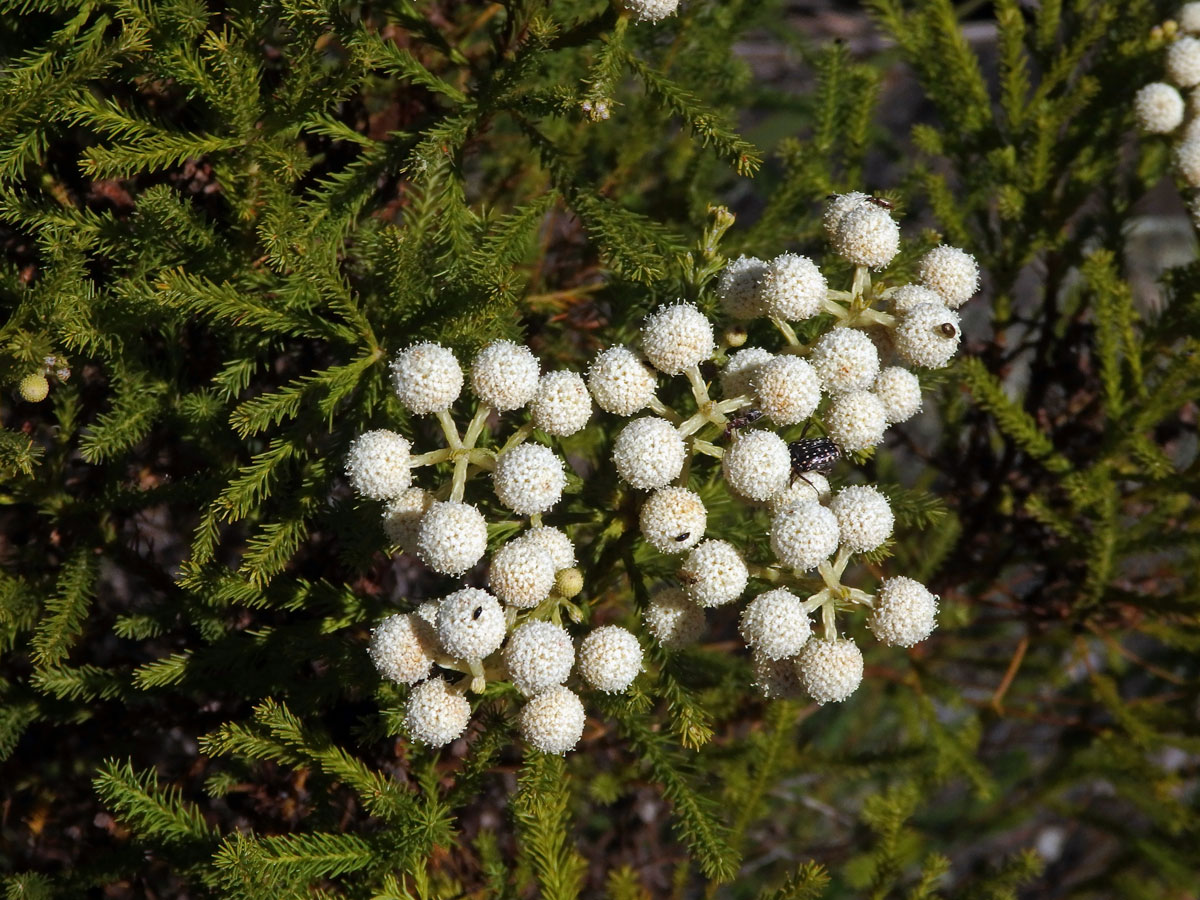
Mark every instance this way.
x=806 y=487
x=610 y=658
x=649 y=453
x=928 y=335
x=867 y=236
x=737 y=377
x=788 y=389
x=554 y=542
x=804 y=535
x=1189 y=17
x=838 y=206
x=505 y=375
x=905 y=612
x=775 y=625
x=377 y=464
x=907 y=296
x=845 y=359
x=470 y=624
x=856 y=420
x=521 y=573
x=620 y=382
x=529 y=479
x=402 y=517
x=402 y=648
x=650 y=10
x=830 y=671
x=738 y=289
x=673 y=519
x=451 y=537
x=950 y=272
x=777 y=679
x=1159 y=108
x=539 y=656
x=673 y=619
x=714 y=573
x=757 y=464
x=426 y=377
x=562 y=405
x=792 y=288
x=1183 y=62
x=434 y=714
x=900 y=391
x=677 y=337
x=864 y=517
x=1187 y=160
x=553 y=721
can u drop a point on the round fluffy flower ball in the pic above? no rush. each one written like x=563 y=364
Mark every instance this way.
x=620 y=382
x=521 y=574
x=402 y=517
x=562 y=404
x=1183 y=62
x=804 y=535
x=34 y=388
x=714 y=573
x=928 y=335
x=436 y=715
x=673 y=619
x=830 y=671
x=806 y=487
x=1158 y=108
x=864 y=517
x=856 y=420
x=470 y=624
x=900 y=391
x=845 y=359
x=452 y=537
x=907 y=296
x=539 y=655
x=776 y=679
x=610 y=658
x=867 y=236
x=377 y=464
x=426 y=377
x=402 y=648
x=792 y=287
x=757 y=464
x=554 y=542
x=650 y=10
x=837 y=208
x=905 y=612
x=677 y=337
x=950 y=272
x=1189 y=17
x=649 y=453
x=737 y=288
x=788 y=389
x=1187 y=160
x=737 y=378
x=774 y=624
x=673 y=519
x=528 y=479
x=505 y=375
x=553 y=721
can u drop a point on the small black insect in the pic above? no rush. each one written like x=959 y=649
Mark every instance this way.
x=880 y=202
x=683 y=537
x=478 y=612
x=813 y=455
x=742 y=421
x=947 y=329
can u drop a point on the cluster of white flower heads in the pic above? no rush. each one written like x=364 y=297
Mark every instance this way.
x=854 y=378
x=447 y=649
x=1171 y=107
